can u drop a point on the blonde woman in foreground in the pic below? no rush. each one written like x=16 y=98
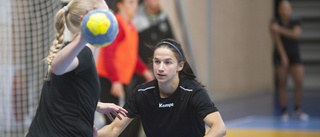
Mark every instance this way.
x=71 y=90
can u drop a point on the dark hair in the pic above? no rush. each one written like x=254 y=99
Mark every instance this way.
x=176 y=48
x=277 y=6
x=116 y=9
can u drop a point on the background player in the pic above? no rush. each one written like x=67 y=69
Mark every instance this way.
x=285 y=32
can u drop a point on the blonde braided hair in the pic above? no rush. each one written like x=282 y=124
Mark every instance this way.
x=70 y=18
x=58 y=42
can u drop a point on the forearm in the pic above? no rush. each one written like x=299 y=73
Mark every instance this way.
x=279 y=45
x=216 y=131
x=115 y=128
x=107 y=131
x=291 y=33
x=66 y=56
x=216 y=124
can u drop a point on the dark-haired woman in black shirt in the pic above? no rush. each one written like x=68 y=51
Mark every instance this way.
x=172 y=105
x=285 y=32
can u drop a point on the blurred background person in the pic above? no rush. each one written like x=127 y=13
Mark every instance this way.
x=153 y=25
x=285 y=32
x=117 y=62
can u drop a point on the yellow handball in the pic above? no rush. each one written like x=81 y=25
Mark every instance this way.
x=99 y=27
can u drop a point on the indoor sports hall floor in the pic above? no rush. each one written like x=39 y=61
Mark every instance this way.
x=257 y=116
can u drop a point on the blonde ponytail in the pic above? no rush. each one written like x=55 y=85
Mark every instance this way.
x=58 y=42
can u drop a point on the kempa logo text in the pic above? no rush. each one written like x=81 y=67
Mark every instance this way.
x=165 y=105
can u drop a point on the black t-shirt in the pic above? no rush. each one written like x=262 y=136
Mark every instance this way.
x=68 y=102
x=290 y=45
x=151 y=36
x=152 y=28
x=180 y=115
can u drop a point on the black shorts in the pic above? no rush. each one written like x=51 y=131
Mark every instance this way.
x=293 y=56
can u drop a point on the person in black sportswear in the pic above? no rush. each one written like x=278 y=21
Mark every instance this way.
x=172 y=105
x=285 y=32
x=153 y=25
x=70 y=93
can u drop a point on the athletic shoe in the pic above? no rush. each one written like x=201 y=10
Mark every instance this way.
x=299 y=114
x=284 y=117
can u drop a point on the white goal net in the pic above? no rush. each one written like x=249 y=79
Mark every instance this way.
x=26 y=34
